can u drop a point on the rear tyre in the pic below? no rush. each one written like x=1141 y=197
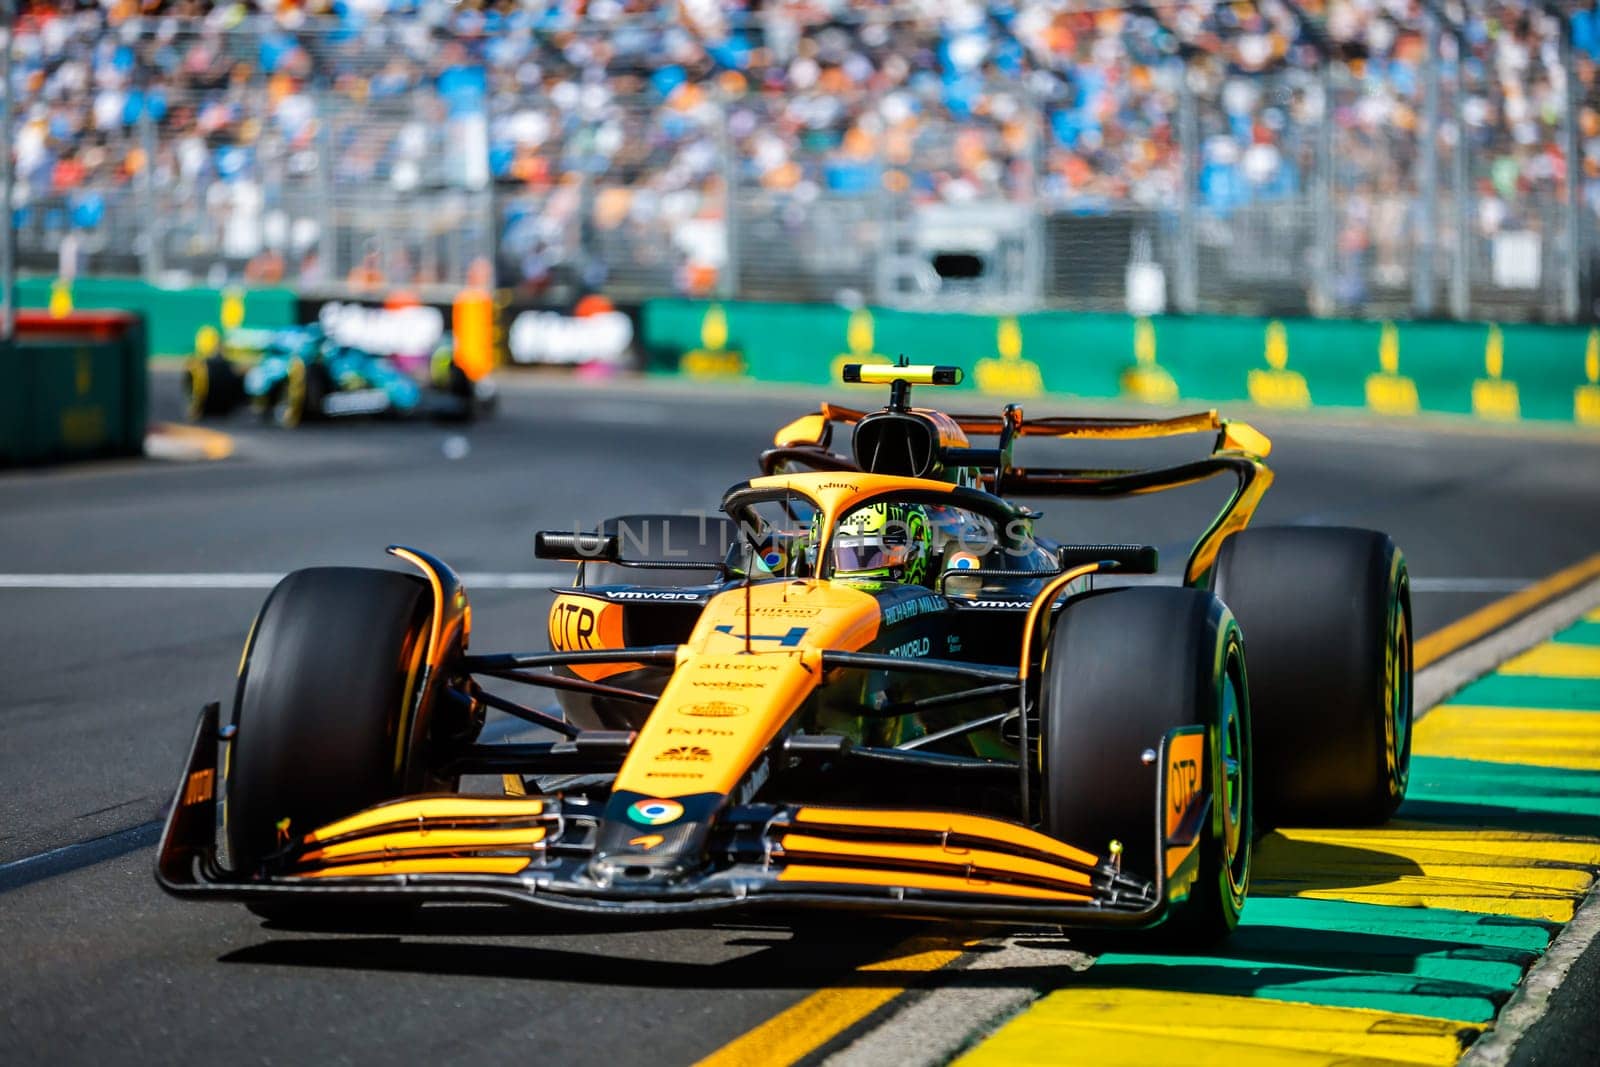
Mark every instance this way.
x=325 y=715
x=1124 y=667
x=211 y=387
x=464 y=403
x=1327 y=612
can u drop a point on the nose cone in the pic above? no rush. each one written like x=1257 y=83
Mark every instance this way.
x=651 y=840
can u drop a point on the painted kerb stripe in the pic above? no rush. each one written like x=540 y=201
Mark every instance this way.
x=1430 y=1037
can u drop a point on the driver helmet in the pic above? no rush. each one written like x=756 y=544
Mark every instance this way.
x=886 y=541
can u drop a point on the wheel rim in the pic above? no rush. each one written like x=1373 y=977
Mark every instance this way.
x=292 y=399
x=197 y=379
x=1236 y=850
x=1397 y=724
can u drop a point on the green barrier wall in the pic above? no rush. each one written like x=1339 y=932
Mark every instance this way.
x=73 y=395
x=173 y=316
x=1493 y=372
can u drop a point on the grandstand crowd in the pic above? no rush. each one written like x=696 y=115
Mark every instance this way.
x=614 y=114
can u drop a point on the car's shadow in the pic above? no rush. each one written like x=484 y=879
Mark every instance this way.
x=786 y=950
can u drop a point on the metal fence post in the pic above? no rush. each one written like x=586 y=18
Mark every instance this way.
x=1038 y=210
x=151 y=224
x=327 y=242
x=1427 y=192
x=1460 y=184
x=728 y=160
x=8 y=233
x=1325 y=227
x=1186 y=283
x=888 y=203
x=489 y=249
x=1572 y=276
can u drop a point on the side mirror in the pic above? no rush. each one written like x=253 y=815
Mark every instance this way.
x=1124 y=559
x=577 y=547
x=806 y=430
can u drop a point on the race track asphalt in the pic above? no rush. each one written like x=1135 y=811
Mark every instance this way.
x=99 y=689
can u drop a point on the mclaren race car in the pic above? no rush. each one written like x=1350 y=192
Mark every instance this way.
x=866 y=682
x=299 y=373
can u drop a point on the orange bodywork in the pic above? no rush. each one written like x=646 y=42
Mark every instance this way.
x=434 y=865
x=724 y=705
x=803 y=872
x=974 y=862
x=430 y=841
x=451 y=809
x=579 y=623
x=943 y=822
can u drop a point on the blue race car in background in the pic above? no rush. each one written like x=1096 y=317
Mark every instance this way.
x=300 y=373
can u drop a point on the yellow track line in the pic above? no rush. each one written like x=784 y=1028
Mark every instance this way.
x=206 y=443
x=824 y=1015
x=1136 y=1027
x=793 y=1034
x=1480 y=623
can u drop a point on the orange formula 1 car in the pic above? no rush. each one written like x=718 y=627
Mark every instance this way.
x=866 y=683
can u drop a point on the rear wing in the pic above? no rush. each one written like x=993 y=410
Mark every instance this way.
x=808 y=429
x=1238 y=448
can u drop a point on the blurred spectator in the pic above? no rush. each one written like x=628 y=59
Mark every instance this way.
x=617 y=125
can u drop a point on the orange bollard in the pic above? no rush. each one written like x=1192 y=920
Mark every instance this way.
x=472 y=321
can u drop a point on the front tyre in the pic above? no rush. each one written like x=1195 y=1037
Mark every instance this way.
x=326 y=715
x=1327 y=612
x=211 y=387
x=1124 y=668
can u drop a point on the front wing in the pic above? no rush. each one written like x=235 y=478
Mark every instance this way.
x=539 y=851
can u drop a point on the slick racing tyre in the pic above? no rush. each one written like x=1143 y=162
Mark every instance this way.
x=299 y=398
x=325 y=715
x=1124 y=667
x=211 y=387
x=464 y=400
x=1326 y=614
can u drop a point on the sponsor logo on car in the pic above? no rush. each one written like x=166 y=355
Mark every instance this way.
x=1185 y=783
x=652 y=594
x=411 y=331
x=910 y=609
x=714 y=709
x=787 y=640
x=780 y=611
x=199 y=787
x=655 y=812
x=753 y=782
x=689 y=753
x=911 y=649
x=731 y=685
x=356 y=402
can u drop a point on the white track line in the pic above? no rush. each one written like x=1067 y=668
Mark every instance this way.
x=517 y=580
x=251 y=580
x=1469 y=585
